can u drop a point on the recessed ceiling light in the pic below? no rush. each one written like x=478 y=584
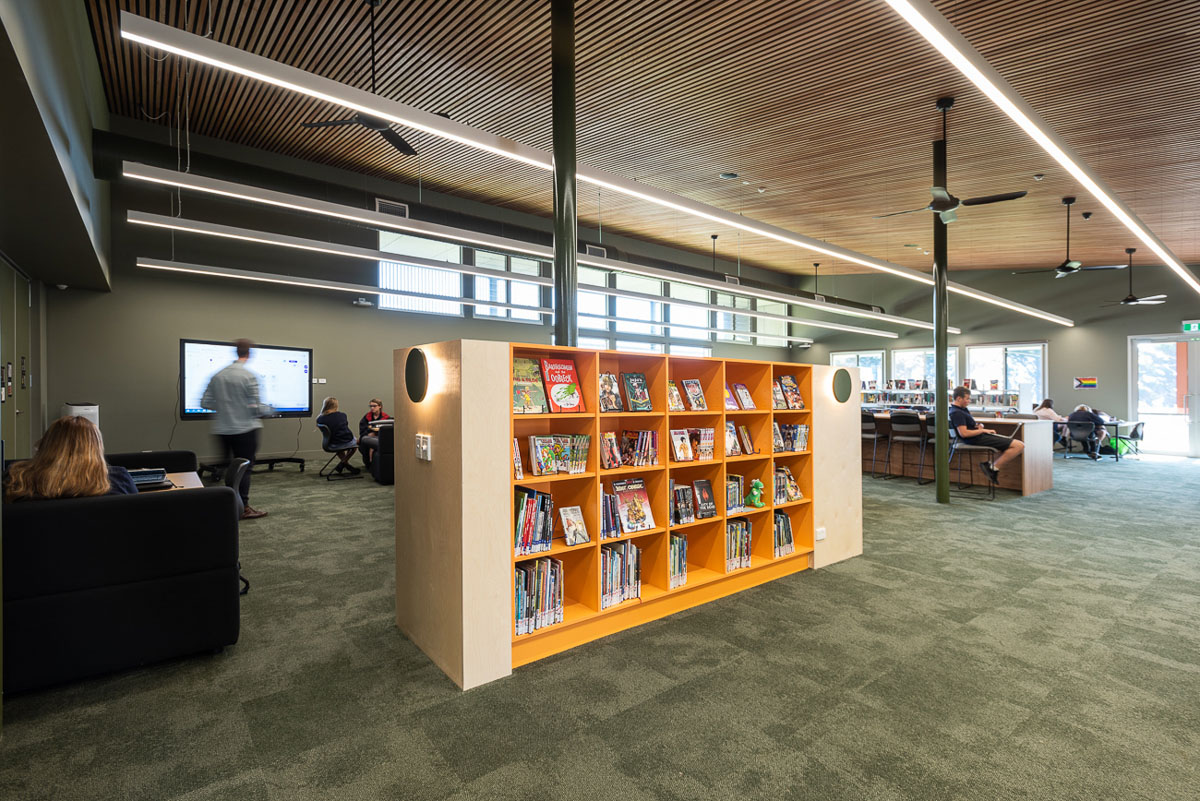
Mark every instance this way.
x=729 y=176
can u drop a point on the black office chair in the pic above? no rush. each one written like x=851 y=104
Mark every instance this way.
x=233 y=479
x=1133 y=438
x=870 y=430
x=1083 y=433
x=905 y=427
x=929 y=430
x=961 y=448
x=332 y=475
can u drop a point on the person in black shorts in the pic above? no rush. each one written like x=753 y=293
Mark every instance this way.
x=975 y=434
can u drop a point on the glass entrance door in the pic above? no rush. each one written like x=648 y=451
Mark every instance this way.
x=1165 y=375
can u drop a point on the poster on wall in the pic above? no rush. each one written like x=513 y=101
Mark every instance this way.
x=1086 y=382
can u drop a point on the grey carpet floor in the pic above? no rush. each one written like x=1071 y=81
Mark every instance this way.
x=1030 y=648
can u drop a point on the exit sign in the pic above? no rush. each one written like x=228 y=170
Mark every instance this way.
x=1191 y=326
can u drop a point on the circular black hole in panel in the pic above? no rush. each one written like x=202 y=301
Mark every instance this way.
x=842 y=386
x=416 y=375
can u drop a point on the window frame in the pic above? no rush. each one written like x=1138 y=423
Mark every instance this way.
x=1039 y=392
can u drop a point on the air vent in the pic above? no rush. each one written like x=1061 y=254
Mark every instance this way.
x=596 y=250
x=733 y=279
x=818 y=298
x=391 y=207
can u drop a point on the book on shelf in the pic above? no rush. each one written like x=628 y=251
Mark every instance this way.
x=610 y=451
x=533 y=526
x=732 y=447
x=994 y=385
x=684 y=504
x=550 y=454
x=620 y=573
x=529 y=397
x=747 y=441
x=639 y=448
x=678 y=561
x=731 y=404
x=610 y=393
x=777 y=438
x=791 y=392
x=742 y=393
x=777 y=399
x=637 y=392
x=703 y=443
x=518 y=472
x=695 y=394
x=785 y=544
x=901 y=383
x=735 y=499
x=674 y=399
x=537 y=594
x=737 y=544
x=610 y=522
x=681 y=445
x=706 y=504
x=542 y=461
x=794 y=436
x=633 y=505
x=871 y=385
x=562 y=385
x=786 y=487
x=574 y=529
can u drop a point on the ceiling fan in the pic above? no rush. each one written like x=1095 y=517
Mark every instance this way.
x=1132 y=299
x=945 y=203
x=383 y=127
x=1068 y=266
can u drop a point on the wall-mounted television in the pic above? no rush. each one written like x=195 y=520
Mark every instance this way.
x=284 y=376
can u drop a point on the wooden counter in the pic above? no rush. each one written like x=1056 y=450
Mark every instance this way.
x=1033 y=472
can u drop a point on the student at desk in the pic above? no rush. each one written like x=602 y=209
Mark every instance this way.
x=69 y=463
x=1084 y=414
x=368 y=430
x=975 y=434
x=1046 y=412
x=341 y=438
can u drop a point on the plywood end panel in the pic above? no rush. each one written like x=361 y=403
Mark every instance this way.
x=837 y=468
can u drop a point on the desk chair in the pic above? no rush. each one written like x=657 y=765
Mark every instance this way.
x=1133 y=438
x=960 y=447
x=326 y=436
x=233 y=479
x=905 y=427
x=929 y=432
x=870 y=430
x=1084 y=433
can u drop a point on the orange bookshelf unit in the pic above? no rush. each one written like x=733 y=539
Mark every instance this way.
x=717 y=563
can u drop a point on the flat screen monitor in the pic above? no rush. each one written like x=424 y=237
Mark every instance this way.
x=284 y=376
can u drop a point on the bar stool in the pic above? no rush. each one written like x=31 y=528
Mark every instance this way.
x=905 y=427
x=957 y=446
x=929 y=432
x=870 y=430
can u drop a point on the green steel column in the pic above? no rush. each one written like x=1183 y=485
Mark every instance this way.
x=566 y=230
x=941 y=449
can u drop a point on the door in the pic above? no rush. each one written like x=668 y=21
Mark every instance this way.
x=1165 y=384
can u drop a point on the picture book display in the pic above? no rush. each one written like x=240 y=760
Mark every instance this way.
x=537 y=594
x=731 y=404
x=610 y=393
x=706 y=504
x=742 y=393
x=674 y=399
x=732 y=447
x=633 y=505
x=791 y=391
x=550 y=454
x=637 y=392
x=574 y=529
x=695 y=394
x=562 y=385
x=529 y=397
x=778 y=401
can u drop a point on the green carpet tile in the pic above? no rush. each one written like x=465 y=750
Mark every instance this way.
x=1027 y=648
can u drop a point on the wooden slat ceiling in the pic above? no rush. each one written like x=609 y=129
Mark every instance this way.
x=828 y=106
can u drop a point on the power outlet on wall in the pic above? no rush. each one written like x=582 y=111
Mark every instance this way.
x=820 y=533
x=424 y=447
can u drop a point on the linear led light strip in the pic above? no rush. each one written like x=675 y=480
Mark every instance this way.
x=938 y=31
x=376 y=219
x=187 y=45
x=352 y=251
x=317 y=283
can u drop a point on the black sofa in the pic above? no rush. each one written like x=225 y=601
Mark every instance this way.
x=383 y=465
x=93 y=585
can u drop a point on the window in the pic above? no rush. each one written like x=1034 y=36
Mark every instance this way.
x=689 y=350
x=765 y=326
x=688 y=315
x=505 y=291
x=869 y=363
x=1016 y=372
x=920 y=364
x=637 y=308
x=732 y=321
x=413 y=278
x=593 y=307
x=594 y=343
x=640 y=347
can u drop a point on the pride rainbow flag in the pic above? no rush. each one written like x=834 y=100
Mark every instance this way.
x=1086 y=383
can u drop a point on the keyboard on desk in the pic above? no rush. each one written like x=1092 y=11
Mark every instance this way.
x=148 y=475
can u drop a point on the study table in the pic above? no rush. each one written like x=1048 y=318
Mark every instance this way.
x=1031 y=473
x=186 y=480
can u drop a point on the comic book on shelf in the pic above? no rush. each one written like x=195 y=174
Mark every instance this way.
x=695 y=394
x=731 y=404
x=791 y=391
x=610 y=524
x=735 y=499
x=620 y=573
x=674 y=399
x=777 y=399
x=637 y=392
x=742 y=393
x=574 y=529
x=703 y=443
x=706 y=503
x=678 y=560
x=639 y=448
x=542 y=458
x=746 y=439
x=633 y=505
x=518 y=473
x=786 y=486
x=732 y=446
x=610 y=451
x=777 y=438
x=681 y=445
x=610 y=393
x=529 y=397
x=533 y=524
x=684 y=503
x=562 y=385
x=737 y=544
x=537 y=594
x=784 y=542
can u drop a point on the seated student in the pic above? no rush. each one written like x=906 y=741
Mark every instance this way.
x=341 y=438
x=368 y=434
x=69 y=463
x=975 y=434
x=1046 y=412
x=1084 y=414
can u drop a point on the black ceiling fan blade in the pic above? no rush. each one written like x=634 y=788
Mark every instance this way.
x=979 y=201
x=1028 y=272
x=894 y=213
x=397 y=141
x=1106 y=267
x=328 y=123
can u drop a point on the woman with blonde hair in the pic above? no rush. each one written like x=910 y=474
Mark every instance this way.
x=341 y=438
x=69 y=463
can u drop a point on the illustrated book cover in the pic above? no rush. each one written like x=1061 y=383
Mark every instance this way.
x=637 y=392
x=791 y=391
x=695 y=394
x=731 y=404
x=610 y=393
x=674 y=399
x=633 y=505
x=562 y=385
x=742 y=393
x=529 y=397
x=706 y=504
x=574 y=529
